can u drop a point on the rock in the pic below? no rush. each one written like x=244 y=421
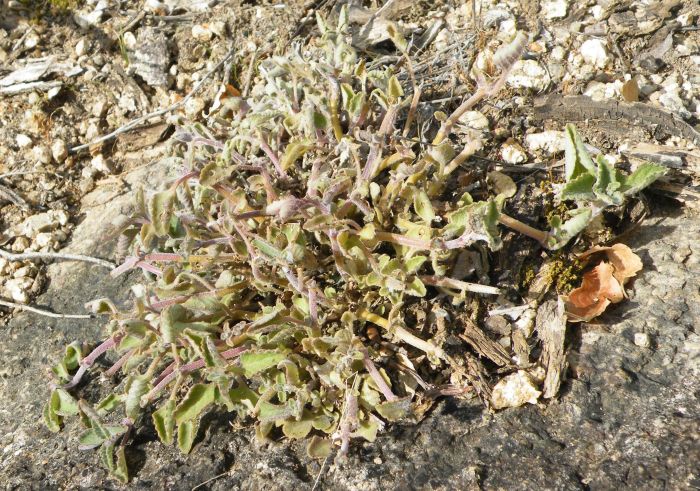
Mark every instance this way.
x=42 y=222
x=595 y=53
x=474 y=120
x=554 y=9
x=20 y=244
x=151 y=58
x=672 y=101
x=86 y=19
x=514 y=390
x=642 y=339
x=18 y=289
x=548 y=141
x=23 y=141
x=59 y=151
x=103 y=165
x=42 y=154
x=81 y=48
x=512 y=152
x=32 y=40
x=44 y=239
x=25 y=271
x=129 y=41
x=194 y=107
x=202 y=33
x=528 y=74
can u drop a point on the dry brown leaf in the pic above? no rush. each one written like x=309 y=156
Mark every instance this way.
x=627 y=264
x=599 y=289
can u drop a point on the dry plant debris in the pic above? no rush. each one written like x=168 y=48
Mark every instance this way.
x=307 y=268
x=604 y=284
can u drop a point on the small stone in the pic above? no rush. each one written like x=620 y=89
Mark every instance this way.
x=23 y=141
x=99 y=109
x=42 y=154
x=474 y=120
x=59 y=151
x=528 y=74
x=595 y=53
x=93 y=131
x=129 y=40
x=18 y=289
x=41 y=222
x=512 y=152
x=44 y=239
x=652 y=64
x=20 y=244
x=674 y=103
x=202 y=33
x=101 y=164
x=194 y=107
x=548 y=141
x=32 y=40
x=514 y=390
x=81 y=48
x=642 y=339
x=554 y=9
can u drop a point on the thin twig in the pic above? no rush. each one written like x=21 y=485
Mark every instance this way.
x=45 y=313
x=9 y=195
x=160 y=112
x=210 y=480
x=33 y=256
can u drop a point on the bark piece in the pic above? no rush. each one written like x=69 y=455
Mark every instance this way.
x=551 y=329
x=484 y=345
x=572 y=109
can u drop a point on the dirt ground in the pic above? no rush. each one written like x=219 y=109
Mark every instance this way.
x=629 y=411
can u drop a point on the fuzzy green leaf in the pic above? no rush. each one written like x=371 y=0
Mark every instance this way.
x=319 y=448
x=579 y=189
x=423 y=206
x=51 y=419
x=294 y=151
x=136 y=388
x=164 y=422
x=577 y=159
x=256 y=361
x=63 y=404
x=607 y=184
x=186 y=433
x=394 y=410
x=160 y=209
x=562 y=233
x=296 y=429
x=642 y=177
x=197 y=399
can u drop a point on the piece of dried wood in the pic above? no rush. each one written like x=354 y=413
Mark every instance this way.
x=484 y=345
x=551 y=328
x=572 y=109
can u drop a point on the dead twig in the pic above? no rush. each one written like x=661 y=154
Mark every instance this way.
x=155 y=114
x=33 y=256
x=9 y=195
x=46 y=313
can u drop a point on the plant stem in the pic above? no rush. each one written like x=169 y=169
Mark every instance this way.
x=46 y=313
x=171 y=373
x=524 y=229
x=401 y=333
x=33 y=256
x=446 y=282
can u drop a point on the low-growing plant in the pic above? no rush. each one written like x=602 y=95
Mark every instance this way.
x=304 y=216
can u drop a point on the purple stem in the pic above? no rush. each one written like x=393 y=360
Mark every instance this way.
x=120 y=363
x=165 y=378
x=377 y=377
x=87 y=362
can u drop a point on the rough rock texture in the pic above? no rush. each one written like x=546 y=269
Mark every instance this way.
x=628 y=416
